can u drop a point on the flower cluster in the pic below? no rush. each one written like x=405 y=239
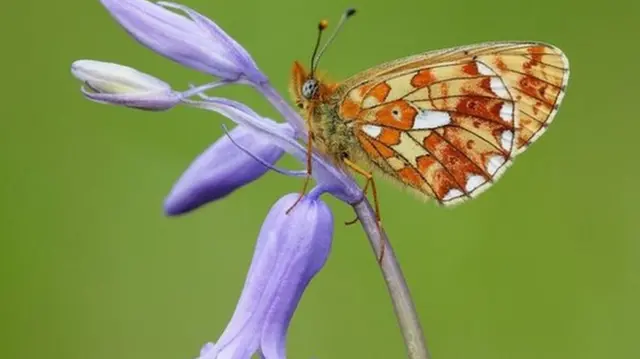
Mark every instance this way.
x=291 y=248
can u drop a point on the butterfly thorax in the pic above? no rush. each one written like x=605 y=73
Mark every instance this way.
x=330 y=134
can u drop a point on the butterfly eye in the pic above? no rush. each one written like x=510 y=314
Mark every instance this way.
x=310 y=88
x=300 y=105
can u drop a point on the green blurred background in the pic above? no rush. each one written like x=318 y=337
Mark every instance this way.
x=544 y=265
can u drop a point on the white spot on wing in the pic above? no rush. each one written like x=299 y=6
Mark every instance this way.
x=372 y=130
x=506 y=140
x=431 y=119
x=498 y=88
x=453 y=193
x=484 y=69
x=506 y=112
x=494 y=164
x=473 y=182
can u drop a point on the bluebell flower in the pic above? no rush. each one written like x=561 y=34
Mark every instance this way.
x=199 y=43
x=291 y=247
x=290 y=251
x=222 y=168
x=192 y=40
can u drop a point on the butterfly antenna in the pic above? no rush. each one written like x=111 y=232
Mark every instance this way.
x=316 y=59
x=321 y=27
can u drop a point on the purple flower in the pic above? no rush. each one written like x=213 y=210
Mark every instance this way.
x=222 y=168
x=193 y=41
x=198 y=42
x=292 y=247
x=290 y=251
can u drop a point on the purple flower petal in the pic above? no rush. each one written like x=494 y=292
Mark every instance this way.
x=310 y=230
x=221 y=169
x=191 y=43
x=290 y=251
x=235 y=50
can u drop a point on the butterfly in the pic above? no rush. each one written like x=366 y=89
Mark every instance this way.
x=445 y=124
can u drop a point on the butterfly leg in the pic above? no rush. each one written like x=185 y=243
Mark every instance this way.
x=307 y=179
x=365 y=191
x=370 y=181
x=353 y=221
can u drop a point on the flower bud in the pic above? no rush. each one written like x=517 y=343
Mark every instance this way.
x=115 y=84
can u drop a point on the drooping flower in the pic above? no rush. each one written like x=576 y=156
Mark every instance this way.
x=197 y=42
x=292 y=247
x=290 y=251
x=193 y=41
x=222 y=168
x=106 y=82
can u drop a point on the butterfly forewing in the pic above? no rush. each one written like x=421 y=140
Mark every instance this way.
x=448 y=123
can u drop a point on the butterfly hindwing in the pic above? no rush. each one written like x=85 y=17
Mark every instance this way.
x=448 y=123
x=537 y=77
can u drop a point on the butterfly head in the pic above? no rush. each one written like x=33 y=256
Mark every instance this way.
x=306 y=87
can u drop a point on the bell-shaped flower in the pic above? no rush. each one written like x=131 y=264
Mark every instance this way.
x=192 y=40
x=290 y=250
x=222 y=168
x=115 y=84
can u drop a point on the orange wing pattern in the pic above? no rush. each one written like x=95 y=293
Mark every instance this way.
x=449 y=123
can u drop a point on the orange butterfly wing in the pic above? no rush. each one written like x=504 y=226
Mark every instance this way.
x=448 y=123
